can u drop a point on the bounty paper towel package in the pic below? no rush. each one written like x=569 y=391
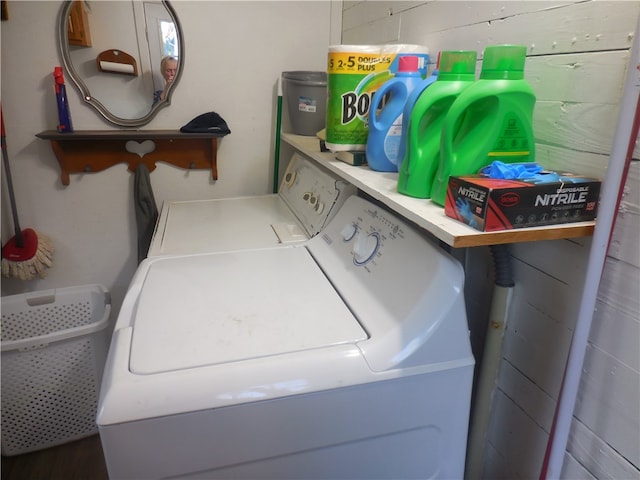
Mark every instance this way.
x=355 y=72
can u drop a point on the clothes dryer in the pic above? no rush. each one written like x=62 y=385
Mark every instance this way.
x=308 y=197
x=346 y=356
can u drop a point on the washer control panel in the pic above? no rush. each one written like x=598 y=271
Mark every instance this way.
x=405 y=290
x=367 y=247
x=369 y=232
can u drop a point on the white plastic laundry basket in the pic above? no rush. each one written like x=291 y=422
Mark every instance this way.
x=54 y=346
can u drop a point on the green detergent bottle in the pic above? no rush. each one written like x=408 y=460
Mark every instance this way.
x=490 y=120
x=422 y=153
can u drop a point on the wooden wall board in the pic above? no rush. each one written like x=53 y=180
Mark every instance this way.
x=385 y=30
x=577 y=27
x=597 y=457
x=435 y=15
x=619 y=287
x=494 y=463
x=520 y=441
x=622 y=244
x=543 y=256
x=538 y=404
x=631 y=191
x=355 y=14
x=569 y=160
x=577 y=107
x=605 y=435
x=547 y=28
x=576 y=126
x=573 y=469
x=608 y=402
x=541 y=320
x=586 y=77
x=617 y=333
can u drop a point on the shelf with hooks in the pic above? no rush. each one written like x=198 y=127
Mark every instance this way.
x=89 y=151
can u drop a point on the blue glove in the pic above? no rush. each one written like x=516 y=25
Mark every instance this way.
x=464 y=209
x=511 y=171
x=553 y=177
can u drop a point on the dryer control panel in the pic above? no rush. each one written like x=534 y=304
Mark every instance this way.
x=312 y=193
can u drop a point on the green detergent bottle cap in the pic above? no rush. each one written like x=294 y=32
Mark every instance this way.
x=457 y=63
x=503 y=62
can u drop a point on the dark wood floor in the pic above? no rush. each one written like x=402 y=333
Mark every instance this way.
x=79 y=460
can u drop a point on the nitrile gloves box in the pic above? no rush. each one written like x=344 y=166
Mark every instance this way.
x=490 y=204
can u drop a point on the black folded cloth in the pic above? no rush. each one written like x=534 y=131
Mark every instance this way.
x=209 y=122
x=145 y=208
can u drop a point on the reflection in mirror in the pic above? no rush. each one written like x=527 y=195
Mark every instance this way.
x=112 y=51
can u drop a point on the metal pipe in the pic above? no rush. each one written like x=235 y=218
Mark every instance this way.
x=491 y=359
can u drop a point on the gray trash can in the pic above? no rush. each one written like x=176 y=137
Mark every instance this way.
x=306 y=94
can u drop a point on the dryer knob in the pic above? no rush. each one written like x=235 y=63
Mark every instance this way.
x=319 y=208
x=289 y=178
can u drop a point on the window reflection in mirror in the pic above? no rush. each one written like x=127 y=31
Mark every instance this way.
x=146 y=30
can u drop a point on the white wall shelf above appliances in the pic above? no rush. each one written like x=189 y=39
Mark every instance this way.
x=424 y=213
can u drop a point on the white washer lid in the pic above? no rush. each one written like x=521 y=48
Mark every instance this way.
x=210 y=309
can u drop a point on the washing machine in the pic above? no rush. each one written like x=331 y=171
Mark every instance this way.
x=345 y=356
x=307 y=198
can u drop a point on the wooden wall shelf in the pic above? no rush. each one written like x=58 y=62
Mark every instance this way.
x=96 y=150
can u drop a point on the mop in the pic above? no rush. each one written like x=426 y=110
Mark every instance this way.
x=27 y=254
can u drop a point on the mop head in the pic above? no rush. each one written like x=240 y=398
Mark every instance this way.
x=29 y=260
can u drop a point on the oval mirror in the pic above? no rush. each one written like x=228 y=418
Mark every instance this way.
x=113 y=51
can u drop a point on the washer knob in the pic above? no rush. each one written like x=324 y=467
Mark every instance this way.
x=349 y=231
x=365 y=247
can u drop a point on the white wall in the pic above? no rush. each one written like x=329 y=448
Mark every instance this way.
x=577 y=59
x=234 y=53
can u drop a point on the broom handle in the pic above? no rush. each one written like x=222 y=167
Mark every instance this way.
x=5 y=160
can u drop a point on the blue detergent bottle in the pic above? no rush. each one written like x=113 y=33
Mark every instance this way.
x=385 y=121
x=424 y=124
